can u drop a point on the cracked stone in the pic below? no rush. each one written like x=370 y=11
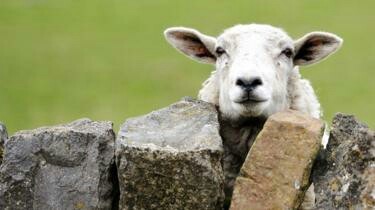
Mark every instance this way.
x=60 y=167
x=170 y=159
x=3 y=138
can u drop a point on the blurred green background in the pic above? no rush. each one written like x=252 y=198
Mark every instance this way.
x=61 y=60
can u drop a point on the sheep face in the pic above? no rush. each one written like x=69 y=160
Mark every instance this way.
x=253 y=63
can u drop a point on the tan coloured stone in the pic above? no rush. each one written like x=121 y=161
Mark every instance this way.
x=276 y=172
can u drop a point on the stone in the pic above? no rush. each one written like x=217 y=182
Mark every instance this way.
x=170 y=159
x=275 y=174
x=3 y=138
x=61 y=167
x=344 y=174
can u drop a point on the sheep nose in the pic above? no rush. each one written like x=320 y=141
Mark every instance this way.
x=250 y=84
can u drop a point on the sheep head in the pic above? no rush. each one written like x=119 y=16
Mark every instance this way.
x=253 y=64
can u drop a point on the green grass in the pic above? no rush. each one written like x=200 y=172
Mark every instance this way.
x=61 y=60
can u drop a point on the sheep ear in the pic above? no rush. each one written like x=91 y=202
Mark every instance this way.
x=192 y=43
x=315 y=46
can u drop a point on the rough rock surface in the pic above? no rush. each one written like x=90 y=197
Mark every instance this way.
x=61 y=167
x=3 y=137
x=276 y=172
x=170 y=159
x=344 y=175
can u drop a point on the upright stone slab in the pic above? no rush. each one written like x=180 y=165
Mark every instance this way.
x=3 y=138
x=61 y=167
x=344 y=175
x=170 y=159
x=276 y=172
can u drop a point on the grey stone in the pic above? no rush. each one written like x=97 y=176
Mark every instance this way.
x=60 y=167
x=344 y=175
x=3 y=138
x=170 y=159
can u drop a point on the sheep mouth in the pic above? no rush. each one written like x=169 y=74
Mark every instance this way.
x=250 y=101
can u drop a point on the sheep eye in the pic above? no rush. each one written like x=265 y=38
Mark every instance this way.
x=220 y=51
x=287 y=52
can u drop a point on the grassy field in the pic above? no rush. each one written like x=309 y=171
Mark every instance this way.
x=61 y=60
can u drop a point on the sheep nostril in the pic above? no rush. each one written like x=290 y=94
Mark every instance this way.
x=240 y=83
x=256 y=82
x=250 y=84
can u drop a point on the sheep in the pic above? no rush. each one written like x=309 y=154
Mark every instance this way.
x=256 y=75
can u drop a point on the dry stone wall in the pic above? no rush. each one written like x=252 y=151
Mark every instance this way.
x=173 y=159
